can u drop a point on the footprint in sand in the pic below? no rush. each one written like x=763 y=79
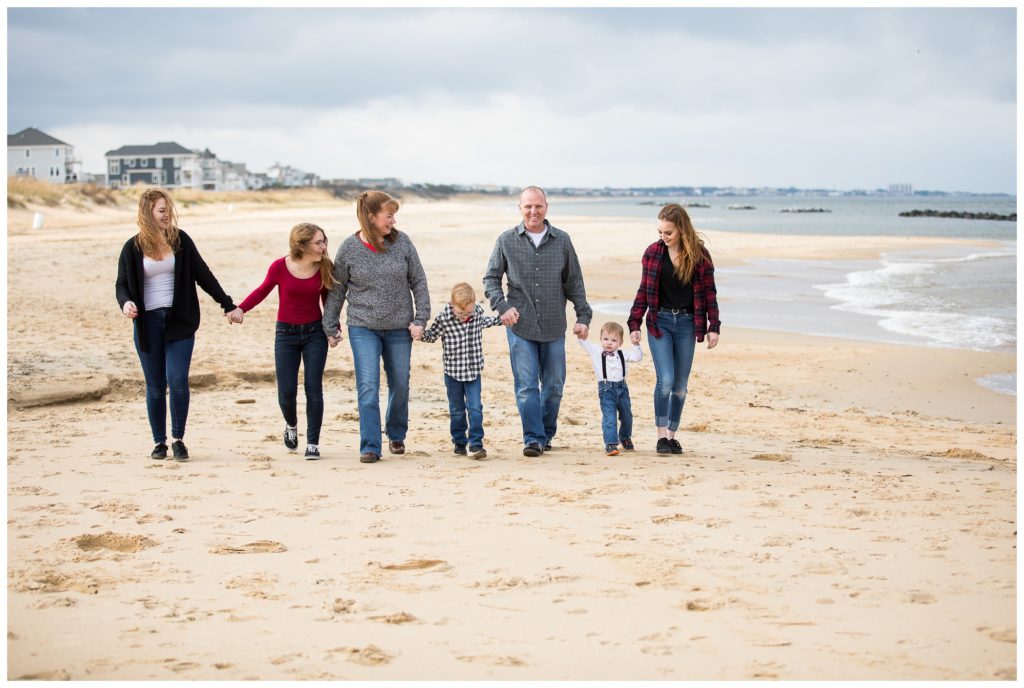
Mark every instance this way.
x=113 y=541
x=258 y=547
x=413 y=564
x=371 y=655
x=396 y=618
x=668 y=518
x=55 y=675
x=493 y=660
x=772 y=457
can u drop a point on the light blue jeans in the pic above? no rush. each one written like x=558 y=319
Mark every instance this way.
x=538 y=369
x=673 y=357
x=369 y=348
x=466 y=410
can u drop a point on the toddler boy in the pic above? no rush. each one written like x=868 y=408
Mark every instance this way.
x=610 y=367
x=461 y=326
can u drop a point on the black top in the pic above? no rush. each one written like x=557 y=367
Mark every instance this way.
x=189 y=270
x=673 y=294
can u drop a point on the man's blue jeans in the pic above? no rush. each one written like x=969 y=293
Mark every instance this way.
x=538 y=369
x=166 y=364
x=307 y=343
x=369 y=349
x=466 y=410
x=614 y=398
x=673 y=357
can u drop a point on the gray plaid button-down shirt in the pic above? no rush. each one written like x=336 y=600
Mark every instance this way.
x=540 y=280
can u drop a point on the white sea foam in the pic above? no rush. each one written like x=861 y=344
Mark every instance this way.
x=1004 y=383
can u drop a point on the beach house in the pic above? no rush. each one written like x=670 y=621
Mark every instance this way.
x=33 y=153
x=167 y=164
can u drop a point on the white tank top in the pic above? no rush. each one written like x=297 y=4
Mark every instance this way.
x=158 y=290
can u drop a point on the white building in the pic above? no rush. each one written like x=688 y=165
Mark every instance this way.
x=285 y=175
x=32 y=153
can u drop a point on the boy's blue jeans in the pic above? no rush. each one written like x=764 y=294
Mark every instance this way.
x=466 y=410
x=614 y=398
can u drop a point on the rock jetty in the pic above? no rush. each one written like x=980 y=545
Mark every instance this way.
x=959 y=215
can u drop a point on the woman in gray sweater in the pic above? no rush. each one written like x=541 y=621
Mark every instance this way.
x=378 y=271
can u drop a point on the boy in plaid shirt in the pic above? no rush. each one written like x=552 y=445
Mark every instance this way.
x=461 y=326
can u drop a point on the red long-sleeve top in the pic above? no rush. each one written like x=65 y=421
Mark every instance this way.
x=300 y=299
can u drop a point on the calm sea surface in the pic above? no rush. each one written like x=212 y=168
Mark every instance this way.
x=951 y=296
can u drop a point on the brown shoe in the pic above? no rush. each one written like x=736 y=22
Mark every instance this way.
x=396 y=447
x=369 y=457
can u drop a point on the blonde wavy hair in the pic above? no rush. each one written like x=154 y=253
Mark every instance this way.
x=152 y=238
x=690 y=243
x=368 y=204
x=298 y=241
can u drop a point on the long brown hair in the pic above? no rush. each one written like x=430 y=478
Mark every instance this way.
x=369 y=203
x=690 y=244
x=299 y=239
x=151 y=238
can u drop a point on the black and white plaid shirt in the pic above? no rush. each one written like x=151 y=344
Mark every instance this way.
x=461 y=342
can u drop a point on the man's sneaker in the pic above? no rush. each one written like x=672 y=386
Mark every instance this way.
x=532 y=450
x=676 y=447
x=369 y=457
x=627 y=444
x=291 y=438
x=159 y=452
x=663 y=446
x=180 y=452
x=312 y=452
x=396 y=447
x=478 y=452
x=611 y=449
x=460 y=449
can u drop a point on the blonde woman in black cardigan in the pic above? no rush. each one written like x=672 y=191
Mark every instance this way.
x=157 y=275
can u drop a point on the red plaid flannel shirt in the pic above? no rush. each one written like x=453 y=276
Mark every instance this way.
x=705 y=296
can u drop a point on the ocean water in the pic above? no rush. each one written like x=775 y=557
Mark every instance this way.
x=951 y=296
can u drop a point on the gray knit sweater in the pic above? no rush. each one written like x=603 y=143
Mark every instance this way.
x=380 y=287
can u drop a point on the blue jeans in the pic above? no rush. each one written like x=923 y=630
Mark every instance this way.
x=307 y=343
x=614 y=398
x=369 y=348
x=538 y=370
x=165 y=365
x=673 y=357
x=466 y=410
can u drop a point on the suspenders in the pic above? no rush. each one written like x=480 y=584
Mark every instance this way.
x=604 y=365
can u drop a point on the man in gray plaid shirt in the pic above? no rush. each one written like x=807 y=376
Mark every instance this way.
x=542 y=272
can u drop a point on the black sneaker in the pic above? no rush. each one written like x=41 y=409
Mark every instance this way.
x=532 y=450
x=291 y=438
x=460 y=449
x=676 y=447
x=611 y=449
x=663 y=446
x=312 y=452
x=159 y=452
x=627 y=444
x=478 y=452
x=547 y=446
x=180 y=452
x=369 y=457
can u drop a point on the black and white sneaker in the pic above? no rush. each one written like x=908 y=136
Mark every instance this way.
x=460 y=449
x=478 y=452
x=159 y=452
x=291 y=438
x=312 y=452
x=180 y=452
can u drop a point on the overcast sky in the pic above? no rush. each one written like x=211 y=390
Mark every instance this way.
x=846 y=98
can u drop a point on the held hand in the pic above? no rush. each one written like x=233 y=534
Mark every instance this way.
x=416 y=331
x=235 y=316
x=510 y=317
x=581 y=330
x=130 y=310
x=635 y=336
x=712 y=340
x=333 y=341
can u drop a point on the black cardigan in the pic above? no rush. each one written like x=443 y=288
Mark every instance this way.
x=189 y=270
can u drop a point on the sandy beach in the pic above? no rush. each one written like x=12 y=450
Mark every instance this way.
x=843 y=510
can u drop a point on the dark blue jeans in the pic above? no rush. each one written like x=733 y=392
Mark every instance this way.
x=614 y=398
x=165 y=365
x=307 y=343
x=466 y=410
